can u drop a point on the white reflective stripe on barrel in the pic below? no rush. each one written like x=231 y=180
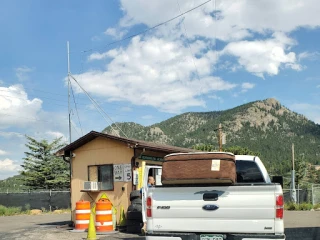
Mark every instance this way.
x=104 y=212
x=83 y=211
x=99 y=224
x=82 y=221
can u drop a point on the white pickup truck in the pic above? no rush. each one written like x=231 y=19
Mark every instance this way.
x=252 y=209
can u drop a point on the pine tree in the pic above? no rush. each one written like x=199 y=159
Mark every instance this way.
x=42 y=169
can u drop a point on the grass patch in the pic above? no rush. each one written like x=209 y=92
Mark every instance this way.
x=10 y=211
x=4 y=211
x=300 y=207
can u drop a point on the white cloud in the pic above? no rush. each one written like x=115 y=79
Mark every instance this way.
x=22 y=73
x=312 y=56
x=8 y=165
x=318 y=86
x=156 y=72
x=11 y=135
x=264 y=56
x=15 y=107
x=234 y=20
x=311 y=111
x=99 y=56
x=216 y=98
x=2 y=152
x=246 y=86
x=54 y=135
x=115 y=33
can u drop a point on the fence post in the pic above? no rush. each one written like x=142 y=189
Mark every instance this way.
x=7 y=191
x=298 y=195
x=50 y=200
x=312 y=195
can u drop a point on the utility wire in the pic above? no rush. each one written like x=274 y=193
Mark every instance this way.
x=148 y=29
x=75 y=128
x=185 y=30
x=75 y=104
x=98 y=107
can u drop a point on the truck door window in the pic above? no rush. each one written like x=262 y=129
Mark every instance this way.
x=248 y=172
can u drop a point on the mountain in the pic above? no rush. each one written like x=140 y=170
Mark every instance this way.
x=264 y=126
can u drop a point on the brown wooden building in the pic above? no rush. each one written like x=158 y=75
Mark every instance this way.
x=103 y=163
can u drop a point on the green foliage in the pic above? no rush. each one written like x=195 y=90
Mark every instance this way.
x=204 y=147
x=27 y=207
x=4 y=211
x=237 y=150
x=42 y=169
x=10 y=211
x=13 y=184
x=299 y=207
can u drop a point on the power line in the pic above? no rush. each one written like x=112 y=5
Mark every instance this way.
x=96 y=105
x=148 y=29
x=185 y=30
x=75 y=104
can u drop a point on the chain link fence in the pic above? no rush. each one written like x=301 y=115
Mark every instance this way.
x=48 y=200
x=310 y=194
x=315 y=194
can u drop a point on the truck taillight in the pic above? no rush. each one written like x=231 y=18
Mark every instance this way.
x=149 y=206
x=279 y=206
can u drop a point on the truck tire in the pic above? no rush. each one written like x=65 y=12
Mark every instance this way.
x=134 y=195
x=134 y=226
x=135 y=208
x=136 y=201
x=133 y=229
x=136 y=216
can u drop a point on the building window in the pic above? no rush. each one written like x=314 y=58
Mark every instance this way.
x=102 y=174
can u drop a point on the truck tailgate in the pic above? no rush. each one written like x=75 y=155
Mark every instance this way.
x=222 y=209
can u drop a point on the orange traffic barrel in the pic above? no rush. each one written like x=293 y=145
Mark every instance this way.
x=82 y=215
x=104 y=216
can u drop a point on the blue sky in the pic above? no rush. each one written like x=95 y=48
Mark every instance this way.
x=216 y=57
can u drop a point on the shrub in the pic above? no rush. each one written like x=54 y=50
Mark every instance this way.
x=290 y=206
x=305 y=206
x=4 y=211
x=317 y=206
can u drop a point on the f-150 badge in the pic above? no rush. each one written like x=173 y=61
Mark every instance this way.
x=163 y=207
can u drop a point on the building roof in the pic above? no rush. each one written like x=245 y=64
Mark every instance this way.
x=131 y=142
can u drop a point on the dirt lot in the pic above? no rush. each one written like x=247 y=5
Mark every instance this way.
x=299 y=226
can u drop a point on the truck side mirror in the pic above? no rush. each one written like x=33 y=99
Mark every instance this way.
x=278 y=179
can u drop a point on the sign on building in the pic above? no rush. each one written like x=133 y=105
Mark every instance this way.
x=118 y=172
x=122 y=173
x=127 y=173
x=151 y=158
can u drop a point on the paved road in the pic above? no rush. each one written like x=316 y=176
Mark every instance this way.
x=299 y=226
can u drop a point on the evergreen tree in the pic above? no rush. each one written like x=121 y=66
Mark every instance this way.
x=42 y=169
